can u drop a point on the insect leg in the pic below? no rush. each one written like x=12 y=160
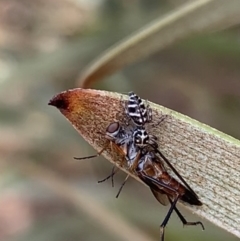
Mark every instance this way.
x=120 y=189
x=161 y=187
x=162 y=118
x=166 y=219
x=133 y=167
x=93 y=156
x=184 y=221
x=114 y=171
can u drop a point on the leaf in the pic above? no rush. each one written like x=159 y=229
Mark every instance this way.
x=192 y=17
x=206 y=158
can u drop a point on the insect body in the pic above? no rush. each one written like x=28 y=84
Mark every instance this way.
x=137 y=111
x=142 y=139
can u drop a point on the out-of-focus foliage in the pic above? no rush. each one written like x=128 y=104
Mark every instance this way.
x=201 y=16
x=44 y=46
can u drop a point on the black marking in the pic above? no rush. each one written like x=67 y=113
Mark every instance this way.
x=137 y=111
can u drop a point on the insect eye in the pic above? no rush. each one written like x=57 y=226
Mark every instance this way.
x=113 y=127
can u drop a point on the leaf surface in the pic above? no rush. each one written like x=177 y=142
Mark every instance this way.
x=206 y=158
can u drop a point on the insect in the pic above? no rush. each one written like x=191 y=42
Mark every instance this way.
x=136 y=110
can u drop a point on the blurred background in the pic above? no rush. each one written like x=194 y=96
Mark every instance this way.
x=44 y=46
